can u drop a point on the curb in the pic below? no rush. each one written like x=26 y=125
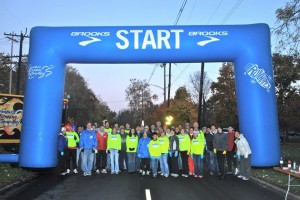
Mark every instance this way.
x=273 y=187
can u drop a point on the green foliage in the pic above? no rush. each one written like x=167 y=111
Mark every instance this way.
x=84 y=106
x=288 y=28
x=222 y=103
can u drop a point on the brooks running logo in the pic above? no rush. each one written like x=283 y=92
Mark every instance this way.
x=205 y=42
x=86 y=42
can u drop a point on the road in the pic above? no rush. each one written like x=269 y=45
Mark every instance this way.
x=133 y=187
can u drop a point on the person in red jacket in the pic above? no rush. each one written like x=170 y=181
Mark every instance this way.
x=101 y=155
x=231 y=160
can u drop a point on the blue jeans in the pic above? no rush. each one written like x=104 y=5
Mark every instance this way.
x=114 y=160
x=164 y=164
x=154 y=165
x=87 y=161
x=212 y=162
x=131 y=161
x=198 y=163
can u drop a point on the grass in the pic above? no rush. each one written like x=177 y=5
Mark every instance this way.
x=289 y=151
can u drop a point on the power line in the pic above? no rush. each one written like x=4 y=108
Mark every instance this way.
x=154 y=68
x=213 y=14
x=180 y=12
x=233 y=9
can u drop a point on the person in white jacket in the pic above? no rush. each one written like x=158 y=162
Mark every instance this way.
x=244 y=154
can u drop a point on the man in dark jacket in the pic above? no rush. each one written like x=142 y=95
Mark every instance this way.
x=220 y=148
x=173 y=153
x=231 y=160
x=209 y=137
x=62 y=147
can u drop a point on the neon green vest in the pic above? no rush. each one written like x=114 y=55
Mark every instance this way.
x=132 y=142
x=114 y=141
x=164 y=143
x=184 y=142
x=197 y=146
x=154 y=148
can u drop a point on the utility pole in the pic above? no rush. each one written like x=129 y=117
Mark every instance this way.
x=11 y=59
x=200 y=113
x=22 y=36
x=169 y=86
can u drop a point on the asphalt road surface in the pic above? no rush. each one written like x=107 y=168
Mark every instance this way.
x=134 y=186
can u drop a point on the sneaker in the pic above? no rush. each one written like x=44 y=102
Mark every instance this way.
x=195 y=176
x=200 y=176
x=143 y=173
x=97 y=171
x=75 y=171
x=166 y=175
x=148 y=173
x=117 y=173
x=211 y=173
x=89 y=174
x=185 y=175
x=162 y=174
x=245 y=179
x=175 y=175
x=172 y=174
x=154 y=175
x=240 y=176
x=84 y=174
x=68 y=171
x=112 y=173
x=103 y=171
x=190 y=173
x=159 y=172
x=63 y=174
x=228 y=172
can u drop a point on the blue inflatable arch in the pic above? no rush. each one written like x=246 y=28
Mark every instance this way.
x=51 y=48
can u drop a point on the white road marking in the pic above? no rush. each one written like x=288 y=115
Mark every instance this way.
x=148 y=195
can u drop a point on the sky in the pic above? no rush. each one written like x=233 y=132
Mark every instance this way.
x=111 y=80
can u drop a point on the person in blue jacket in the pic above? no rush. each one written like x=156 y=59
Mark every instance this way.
x=143 y=153
x=88 y=144
x=62 y=147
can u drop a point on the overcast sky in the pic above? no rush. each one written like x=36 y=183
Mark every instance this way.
x=110 y=81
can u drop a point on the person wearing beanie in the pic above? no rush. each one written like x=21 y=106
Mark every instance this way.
x=62 y=147
x=197 y=153
x=73 y=140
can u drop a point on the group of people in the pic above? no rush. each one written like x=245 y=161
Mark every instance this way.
x=153 y=150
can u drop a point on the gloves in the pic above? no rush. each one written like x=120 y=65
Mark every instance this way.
x=82 y=150
x=192 y=156
x=201 y=156
x=107 y=151
x=75 y=138
x=239 y=157
x=158 y=157
x=224 y=153
x=62 y=153
x=215 y=150
x=152 y=157
x=176 y=154
x=131 y=149
x=246 y=156
x=139 y=155
x=188 y=152
x=170 y=153
x=94 y=151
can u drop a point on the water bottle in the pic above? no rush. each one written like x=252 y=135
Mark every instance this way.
x=294 y=165
x=281 y=162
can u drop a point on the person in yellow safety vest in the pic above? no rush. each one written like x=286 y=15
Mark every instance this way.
x=107 y=129
x=197 y=154
x=164 y=143
x=113 y=146
x=155 y=153
x=184 y=148
x=131 y=143
x=127 y=128
x=73 y=140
